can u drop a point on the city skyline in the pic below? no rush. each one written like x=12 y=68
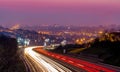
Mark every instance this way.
x=69 y=12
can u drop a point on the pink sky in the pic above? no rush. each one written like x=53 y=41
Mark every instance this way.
x=88 y=12
x=67 y=2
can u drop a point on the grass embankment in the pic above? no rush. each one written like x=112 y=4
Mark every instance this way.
x=106 y=48
x=77 y=50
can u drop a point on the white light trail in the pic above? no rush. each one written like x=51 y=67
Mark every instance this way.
x=48 y=64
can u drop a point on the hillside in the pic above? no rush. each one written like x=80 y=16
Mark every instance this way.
x=9 y=58
x=107 y=48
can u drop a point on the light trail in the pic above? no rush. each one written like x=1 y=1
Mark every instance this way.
x=48 y=65
x=88 y=66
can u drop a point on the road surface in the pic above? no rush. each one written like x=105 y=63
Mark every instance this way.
x=41 y=60
x=88 y=66
x=40 y=63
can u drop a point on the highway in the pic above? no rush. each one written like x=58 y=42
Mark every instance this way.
x=37 y=59
x=87 y=66
x=40 y=63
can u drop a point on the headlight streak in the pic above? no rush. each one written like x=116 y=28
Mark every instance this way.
x=48 y=64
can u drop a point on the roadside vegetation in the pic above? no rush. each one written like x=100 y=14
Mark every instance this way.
x=107 y=48
x=9 y=58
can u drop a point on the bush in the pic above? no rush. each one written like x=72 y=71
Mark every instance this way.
x=9 y=59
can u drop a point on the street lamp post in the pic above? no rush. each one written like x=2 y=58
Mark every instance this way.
x=63 y=43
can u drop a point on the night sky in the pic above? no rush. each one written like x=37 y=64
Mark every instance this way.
x=73 y=12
